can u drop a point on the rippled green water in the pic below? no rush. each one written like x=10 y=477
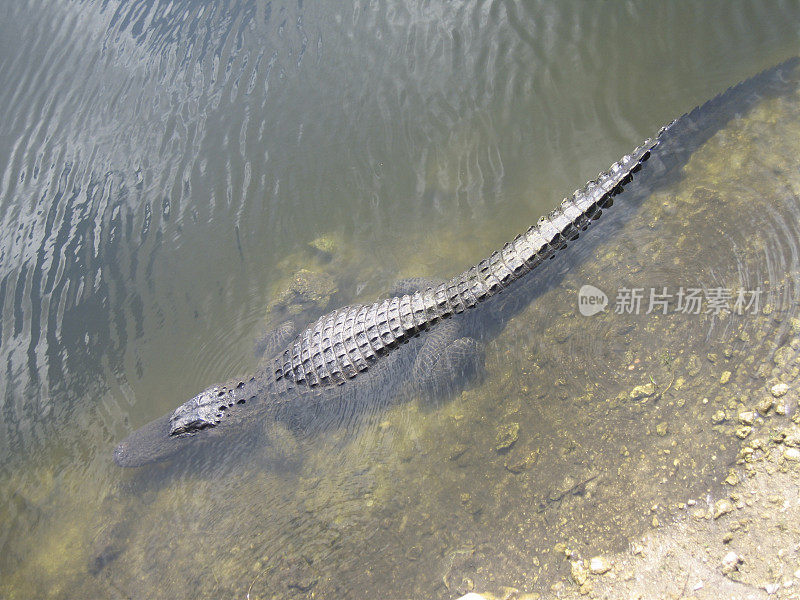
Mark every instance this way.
x=163 y=168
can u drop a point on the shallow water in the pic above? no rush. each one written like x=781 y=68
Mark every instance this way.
x=164 y=167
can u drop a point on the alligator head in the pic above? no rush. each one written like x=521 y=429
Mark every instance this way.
x=204 y=416
x=206 y=409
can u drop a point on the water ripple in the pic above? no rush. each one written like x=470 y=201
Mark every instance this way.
x=164 y=165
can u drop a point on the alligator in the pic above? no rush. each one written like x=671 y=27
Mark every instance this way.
x=424 y=333
x=359 y=352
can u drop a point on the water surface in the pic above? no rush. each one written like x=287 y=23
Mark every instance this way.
x=163 y=170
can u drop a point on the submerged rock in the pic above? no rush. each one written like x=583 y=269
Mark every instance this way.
x=520 y=463
x=747 y=417
x=325 y=245
x=722 y=507
x=732 y=478
x=457 y=451
x=779 y=389
x=599 y=565
x=731 y=562
x=306 y=289
x=792 y=454
x=765 y=405
x=643 y=391
x=507 y=435
x=693 y=366
x=578 y=571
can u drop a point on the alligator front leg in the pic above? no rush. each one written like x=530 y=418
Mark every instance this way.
x=409 y=285
x=271 y=342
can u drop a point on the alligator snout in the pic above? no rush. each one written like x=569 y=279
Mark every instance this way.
x=121 y=454
x=148 y=444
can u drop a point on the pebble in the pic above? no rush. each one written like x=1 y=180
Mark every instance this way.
x=718 y=417
x=725 y=378
x=792 y=439
x=732 y=478
x=578 y=572
x=779 y=389
x=765 y=405
x=698 y=513
x=731 y=562
x=722 y=507
x=643 y=391
x=507 y=435
x=599 y=565
x=791 y=454
x=518 y=465
x=747 y=417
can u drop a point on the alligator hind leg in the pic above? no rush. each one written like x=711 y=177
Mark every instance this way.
x=447 y=360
